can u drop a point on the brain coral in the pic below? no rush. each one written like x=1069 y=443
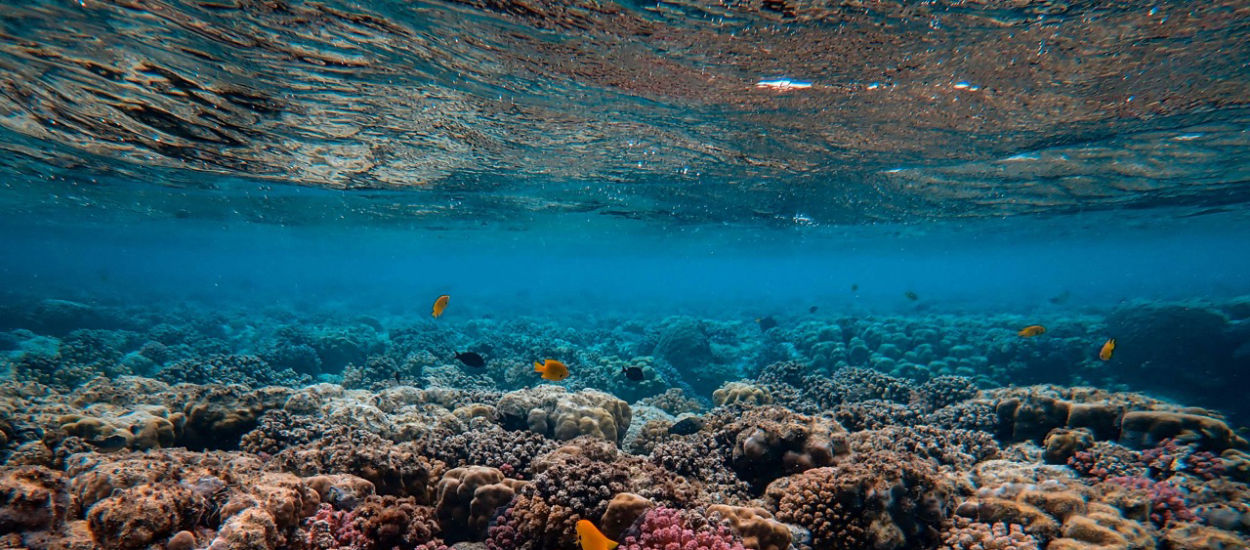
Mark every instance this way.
x=879 y=501
x=554 y=412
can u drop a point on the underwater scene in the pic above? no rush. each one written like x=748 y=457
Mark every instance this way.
x=635 y=274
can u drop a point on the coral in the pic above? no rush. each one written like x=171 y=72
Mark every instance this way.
x=965 y=534
x=139 y=516
x=669 y=529
x=32 y=498
x=530 y=523
x=386 y=522
x=683 y=343
x=467 y=500
x=958 y=448
x=673 y=401
x=1103 y=460
x=217 y=417
x=1149 y=428
x=741 y=394
x=969 y=415
x=769 y=442
x=1201 y=537
x=1170 y=457
x=146 y=428
x=944 y=391
x=1062 y=443
x=878 y=501
x=511 y=451
x=643 y=438
x=252 y=529
x=858 y=384
x=755 y=526
x=553 y=412
x=623 y=510
x=1104 y=528
x=1167 y=503
x=394 y=469
x=581 y=478
x=874 y=414
x=700 y=458
x=248 y=370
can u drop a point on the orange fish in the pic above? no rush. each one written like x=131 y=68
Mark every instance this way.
x=591 y=538
x=1107 y=349
x=552 y=370
x=1032 y=330
x=440 y=304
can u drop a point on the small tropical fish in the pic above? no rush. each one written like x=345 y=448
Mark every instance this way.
x=397 y=380
x=766 y=322
x=686 y=426
x=471 y=359
x=854 y=287
x=1107 y=349
x=812 y=309
x=440 y=304
x=631 y=372
x=591 y=538
x=1031 y=331
x=552 y=370
x=911 y=295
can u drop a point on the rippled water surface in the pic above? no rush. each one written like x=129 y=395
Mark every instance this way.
x=498 y=111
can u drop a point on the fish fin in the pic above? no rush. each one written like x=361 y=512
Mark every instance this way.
x=538 y=367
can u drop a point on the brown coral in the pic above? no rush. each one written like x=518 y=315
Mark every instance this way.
x=880 y=501
x=755 y=526
x=468 y=498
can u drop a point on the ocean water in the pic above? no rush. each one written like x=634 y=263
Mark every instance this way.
x=817 y=229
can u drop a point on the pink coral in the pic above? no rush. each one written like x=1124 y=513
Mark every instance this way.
x=669 y=529
x=1167 y=503
x=1170 y=457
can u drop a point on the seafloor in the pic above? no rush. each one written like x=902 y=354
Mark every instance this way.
x=125 y=427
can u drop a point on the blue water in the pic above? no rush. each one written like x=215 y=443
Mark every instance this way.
x=219 y=192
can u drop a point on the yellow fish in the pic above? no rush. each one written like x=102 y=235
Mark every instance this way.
x=440 y=304
x=591 y=538
x=1032 y=330
x=552 y=370
x=1107 y=349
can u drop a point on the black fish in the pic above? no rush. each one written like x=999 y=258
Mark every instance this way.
x=812 y=309
x=632 y=373
x=854 y=287
x=471 y=359
x=397 y=381
x=686 y=426
x=766 y=322
x=911 y=295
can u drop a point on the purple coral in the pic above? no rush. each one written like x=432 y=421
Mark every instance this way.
x=669 y=529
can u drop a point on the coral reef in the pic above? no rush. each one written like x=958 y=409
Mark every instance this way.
x=207 y=432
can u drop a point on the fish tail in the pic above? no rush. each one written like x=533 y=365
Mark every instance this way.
x=538 y=367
